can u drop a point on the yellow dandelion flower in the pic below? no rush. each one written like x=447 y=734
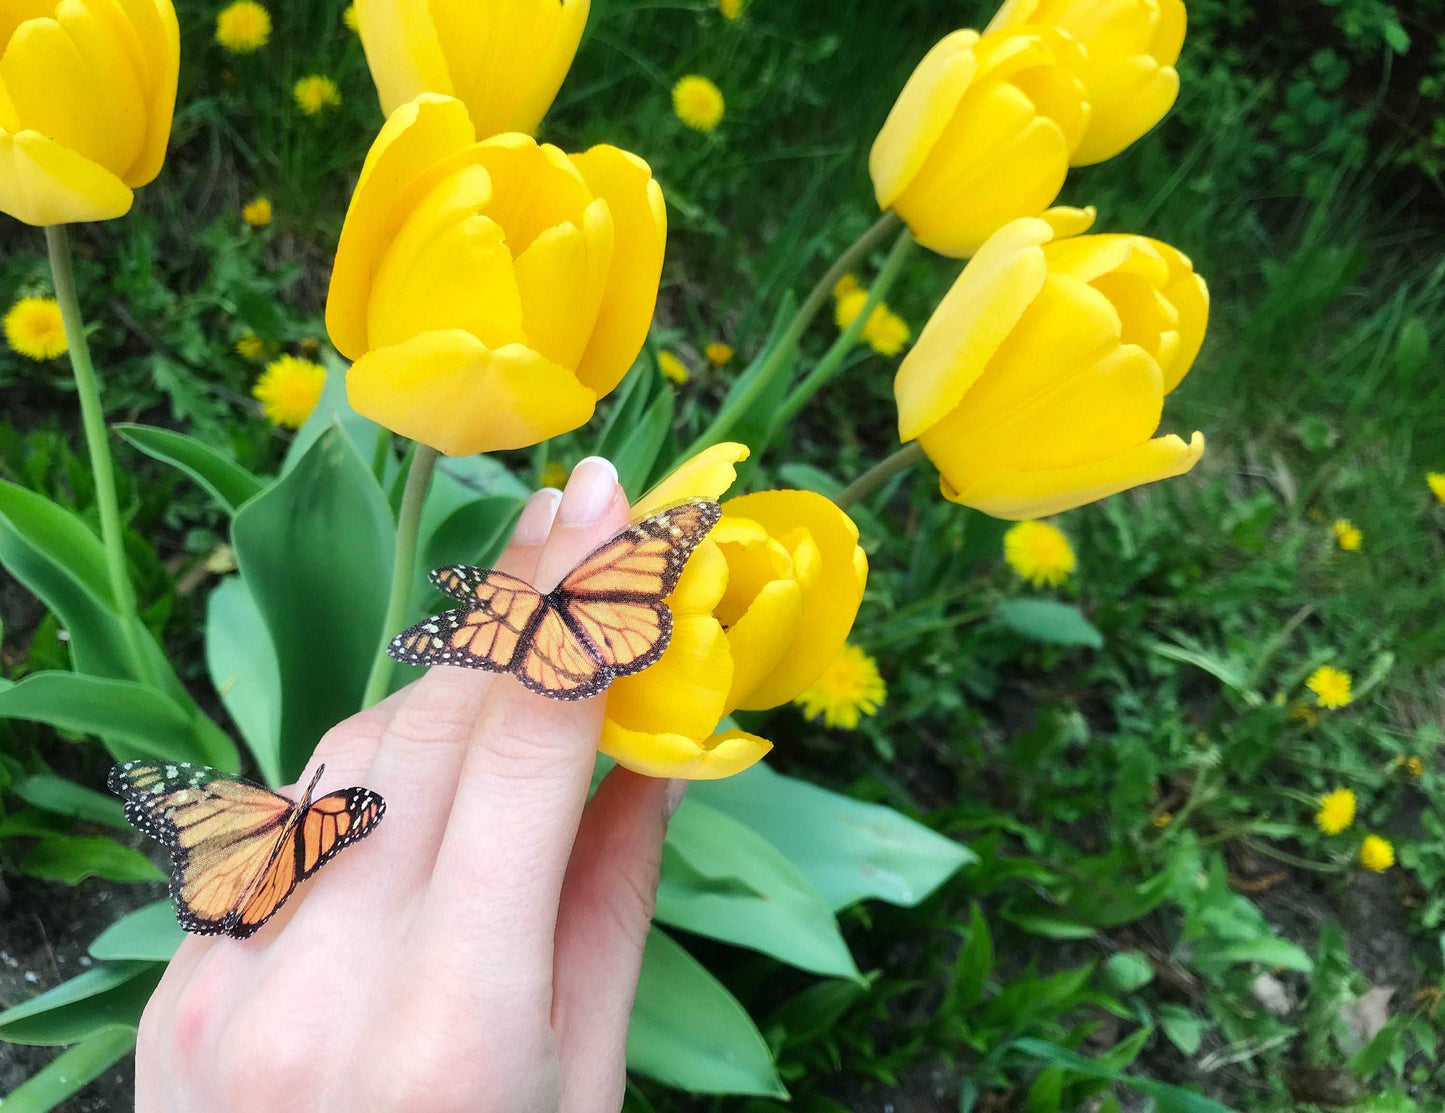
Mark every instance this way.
x=1330 y=685
x=1376 y=854
x=850 y=304
x=289 y=389
x=243 y=27
x=1412 y=765
x=553 y=475
x=33 y=327
x=846 y=285
x=1347 y=535
x=315 y=94
x=731 y=9
x=1162 y=820
x=257 y=213
x=886 y=332
x=251 y=346
x=1039 y=552
x=348 y=17
x=697 y=102
x=849 y=688
x=672 y=367
x=718 y=353
x=1337 y=811
x=1436 y=481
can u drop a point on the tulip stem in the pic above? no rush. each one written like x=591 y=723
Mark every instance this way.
x=403 y=569
x=879 y=474
x=828 y=366
x=778 y=359
x=92 y=415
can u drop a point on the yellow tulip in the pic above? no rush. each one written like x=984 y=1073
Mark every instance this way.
x=87 y=88
x=763 y=608
x=1040 y=379
x=981 y=134
x=1130 y=47
x=504 y=59
x=491 y=292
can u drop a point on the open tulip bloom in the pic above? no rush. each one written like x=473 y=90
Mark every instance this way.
x=1039 y=381
x=87 y=89
x=490 y=292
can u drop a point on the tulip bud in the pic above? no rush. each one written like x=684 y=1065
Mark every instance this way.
x=491 y=292
x=1130 y=47
x=764 y=606
x=981 y=134
x=503 y=59
x=1040 y=379
x=86 y=96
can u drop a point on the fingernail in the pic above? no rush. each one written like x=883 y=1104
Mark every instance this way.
x=536 y=521
x=589 y=492
x=676 y=790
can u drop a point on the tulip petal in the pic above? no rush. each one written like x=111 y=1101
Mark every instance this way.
x=535 y=187
x=703 y=581
x=411 y=142
x=508 y=59
x=1130 y=96
x=1090 y=257
x=402 y=50
x=1067 y=221
x=159 y=38
x=447 y=268
x=1189 y=295
x=1020 y=495
x=707 y=475
x=639 y=216
x=685 y=690
x=761 y=637
x=974 y=318
x=561 y=277
x=829 y=608
x=675 y=755
x=923 y=110
x=448 y=390
x=43 y=183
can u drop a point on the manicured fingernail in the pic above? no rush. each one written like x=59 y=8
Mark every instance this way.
x=676 y=790
x=536 y=521
x=589 y=493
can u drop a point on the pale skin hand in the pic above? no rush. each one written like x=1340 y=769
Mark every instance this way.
x=479 y=951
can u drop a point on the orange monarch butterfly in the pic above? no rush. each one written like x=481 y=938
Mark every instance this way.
x=605 y=619
x=237 y=850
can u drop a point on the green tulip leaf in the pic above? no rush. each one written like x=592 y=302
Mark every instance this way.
x=56 y=794
x=243 y=668
x=636 y=454
x=112 y=994
x=133 y=719
x=150 y=933
x=847 y=850
x=229 y=483
x=73 y=858
x=688 y=1031
x=315 y=551
x=1043 y=620
x=474 y=533
x=72 y=1070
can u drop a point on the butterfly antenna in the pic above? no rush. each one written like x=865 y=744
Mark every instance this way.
x=306 y=799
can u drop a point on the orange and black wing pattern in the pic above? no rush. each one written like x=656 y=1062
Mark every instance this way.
x=605 y=619
x=237 y=850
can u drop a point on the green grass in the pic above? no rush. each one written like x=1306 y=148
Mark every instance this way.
x=1086 y=922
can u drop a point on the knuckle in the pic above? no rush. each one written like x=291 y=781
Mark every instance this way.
x=269 y=1058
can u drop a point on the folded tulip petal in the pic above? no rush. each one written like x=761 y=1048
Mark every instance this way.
x=974 y=318
x=535 y=187
x=708 y=475
x=43 y=183
x=1130 y=96
x=760 y=638
x=158 y=40
x=1189 y=295
x=561 y=277
x=1067 y=221
x=414 y=139
x=829 y=608
x=703 y=582
x=448 y=390
x=920 y=115
x=403 y=51
x=639 y=214
x=686 y=690
x=1021 y=495
x=676 y=755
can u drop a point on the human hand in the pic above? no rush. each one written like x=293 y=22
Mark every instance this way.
x=481 y=950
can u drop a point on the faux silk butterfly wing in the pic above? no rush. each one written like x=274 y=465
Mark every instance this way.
x=238 y=850
x=605 y=619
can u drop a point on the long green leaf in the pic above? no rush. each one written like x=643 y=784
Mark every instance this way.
x=56 y=794
x=723 y=880
x=690 y=1032
x=1044 y=620
x=1168 y=1099
x=242 y=662
x=150 y=933
x=133 y=719
x=111 y=994
x=71 y=1071
x=73 y=858
x=315 y=551
x=636 y=455
x=848 y=851
x=226 y=480
x=474 y=533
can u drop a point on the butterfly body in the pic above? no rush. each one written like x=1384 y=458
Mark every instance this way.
x=238 y=850
x=605 y=619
